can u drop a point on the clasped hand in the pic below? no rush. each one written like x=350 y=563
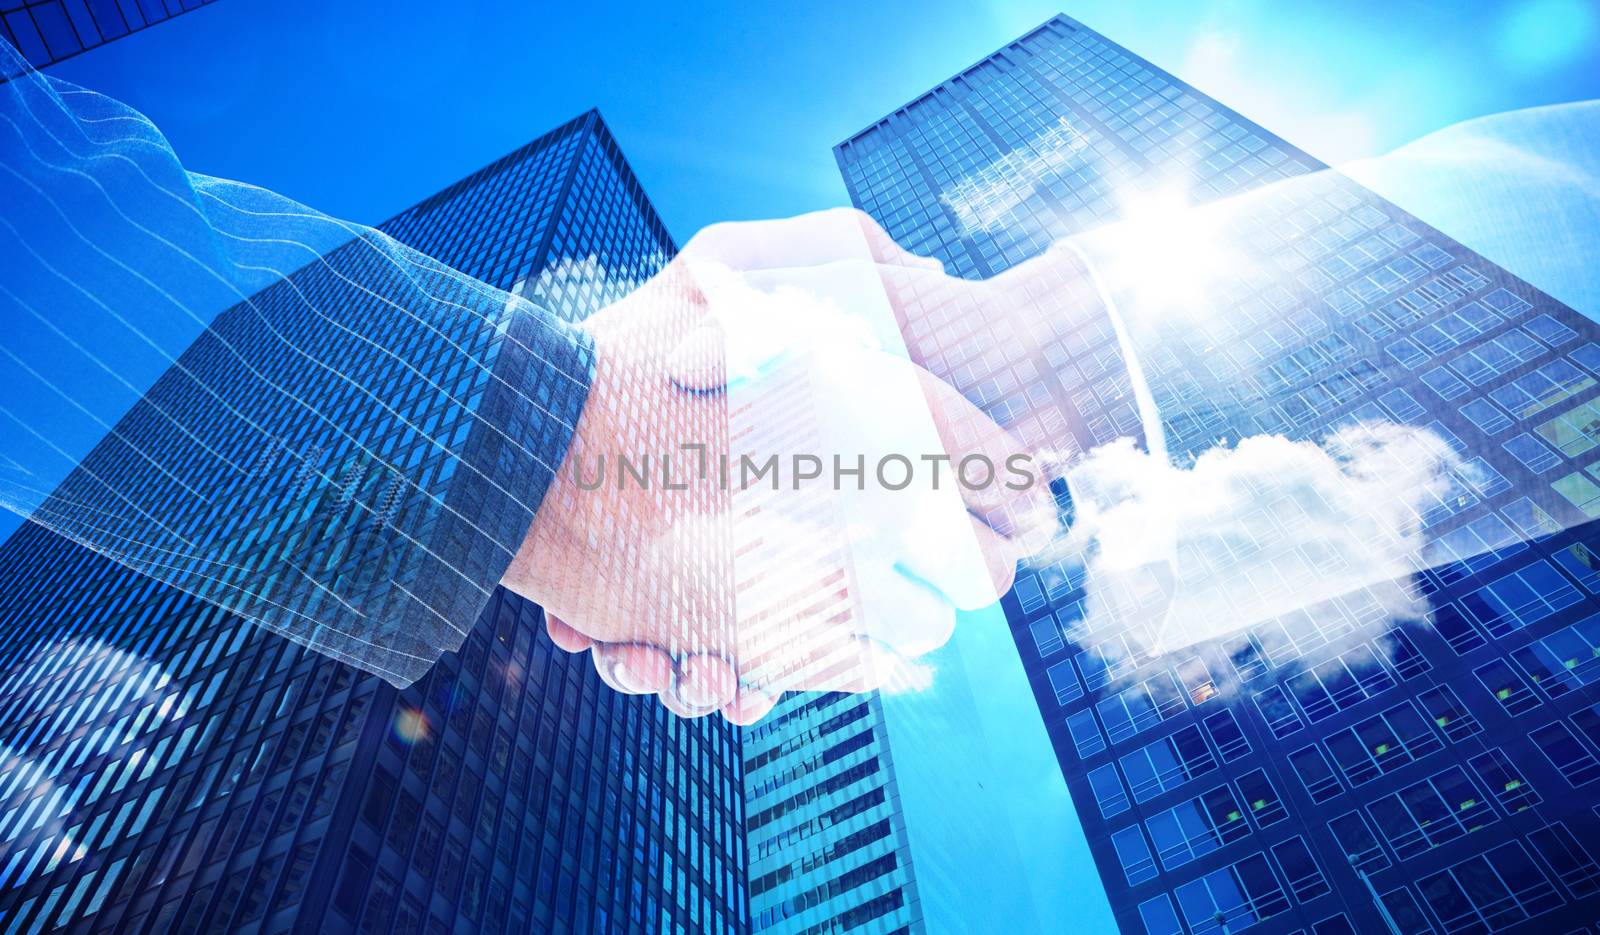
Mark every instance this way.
x=763 y=493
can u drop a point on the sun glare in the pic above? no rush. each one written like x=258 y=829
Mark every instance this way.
x=1166 y=252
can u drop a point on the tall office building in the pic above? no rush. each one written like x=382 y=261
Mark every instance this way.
x=47 y=31
x=1342 y=771
x=827 y=841
x=169 y=768
x=825 y=835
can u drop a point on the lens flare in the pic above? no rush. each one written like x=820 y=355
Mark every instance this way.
x=411 y=725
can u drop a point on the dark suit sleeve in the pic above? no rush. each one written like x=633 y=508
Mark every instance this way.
x=295 y=418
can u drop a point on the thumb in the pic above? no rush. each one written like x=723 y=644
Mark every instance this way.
x=699 y=362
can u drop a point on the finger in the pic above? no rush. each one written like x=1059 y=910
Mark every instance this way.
x=750 y=706
x=804 y=654
x=633 y=669
x=1000 y=555
x=705 y=682
x=887 y=251
x=653 y=318
x=905 y=608
x=969 y=575
x=565 y=636
x=841 y=666
x=671 y=703
x=999 y=478
x=1031 y=523
x=699 y=362
x=938 y=549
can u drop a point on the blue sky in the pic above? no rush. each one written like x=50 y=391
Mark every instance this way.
x=730 y=110
x=360 y=108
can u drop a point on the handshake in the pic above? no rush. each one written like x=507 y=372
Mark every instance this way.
x=765 y=493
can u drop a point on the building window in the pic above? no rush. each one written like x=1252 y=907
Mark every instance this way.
x=1279 y=715
x=1085 y=732
x=1507 y=687
x=1382 y=743
x=1406 y=914
x=1318 y=778
x=1448 y=713
x=1108 y=792
x=1426 y=814
x=1340 y=683
x=1197 y=826
x=1140 y=707
x=1564 y=661
x=1457 y=629
x=1360 y=846
x=1565 y=753
x=1261 y=798
x=1233 y=898
x=1490 y=892
x=1568 y=857
x=1403 y=653
x=1167 y=763
x=1523 y=597
x=1197 y=681
x=1159 y=917
x=1504 y=780
x=1226 y=735
x=1305 y=878
x=1134 y=854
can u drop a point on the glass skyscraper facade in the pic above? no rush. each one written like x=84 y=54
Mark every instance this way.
x=825 y=834
x=47 y=31
x=165 y=767
x=827 y=841
x=1308 y=775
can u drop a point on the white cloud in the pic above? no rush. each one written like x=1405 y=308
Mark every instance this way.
x=1315 y=535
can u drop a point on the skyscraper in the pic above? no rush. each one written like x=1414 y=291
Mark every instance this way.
x=825 y=836
x=170 y=768
x=1310 y=774
x=827 y=840
x=47 y=31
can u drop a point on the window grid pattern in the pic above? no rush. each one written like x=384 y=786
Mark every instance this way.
x=170 y=768
x=47 y=31
x=1386 y=319
x=828 y=847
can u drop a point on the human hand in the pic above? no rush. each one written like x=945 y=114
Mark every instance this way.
x=718 y=597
